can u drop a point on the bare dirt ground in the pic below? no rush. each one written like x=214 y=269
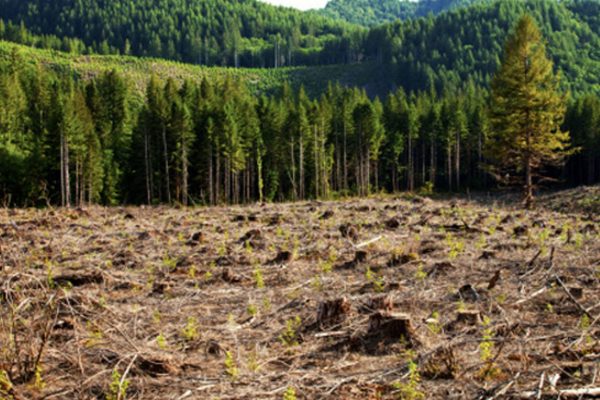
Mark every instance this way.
x=380 y=298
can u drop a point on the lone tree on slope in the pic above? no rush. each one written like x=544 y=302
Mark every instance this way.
x=527 y=109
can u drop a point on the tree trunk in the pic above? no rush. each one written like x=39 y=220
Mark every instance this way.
x=147 y=167
x=449 y=166
x=301 y=167
x=457 y=161
x=184 y=174
x=528 y=174
x=211 y=193
x=316 y=157
x=433 y=161
x=64 y=169
x=166 y=160
x=345 y=182
x=293 y=177
x=410 y=178
x=218 y=177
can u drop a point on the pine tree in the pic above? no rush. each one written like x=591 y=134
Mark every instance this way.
x=527 y=109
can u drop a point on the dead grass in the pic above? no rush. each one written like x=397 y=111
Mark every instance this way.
x=489 y=303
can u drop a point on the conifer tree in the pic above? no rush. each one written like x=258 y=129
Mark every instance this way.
x=527 y=110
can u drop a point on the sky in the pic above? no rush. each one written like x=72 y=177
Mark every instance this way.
x=301 y=4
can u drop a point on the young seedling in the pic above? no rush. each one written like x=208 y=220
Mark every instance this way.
x=252 y=310
x=266 y=304
x=231 y=366
x=410 y=390
x=290 y=394
x=190 y=331
x=420 y=274
x=378 y=281
x=289 y=337
x=258 y=278
x=169 y=262
x=317 y=283
x=252 y=364
x=161 y=342
x=38 y=382
x=490 y=370
x=118 y=387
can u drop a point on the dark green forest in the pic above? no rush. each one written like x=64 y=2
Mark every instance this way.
x=68 y=138
x=376 y=12
x=210 y=32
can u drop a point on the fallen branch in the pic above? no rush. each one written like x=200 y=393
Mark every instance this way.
x=572 y=298
x=564 y=393
x=368 y=242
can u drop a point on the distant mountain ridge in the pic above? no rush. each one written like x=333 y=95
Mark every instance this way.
x=375 y=12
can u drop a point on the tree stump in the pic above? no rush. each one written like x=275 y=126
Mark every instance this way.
x=392 y=223
x=360 y=256
x=333 y=312
x=576 y=292
x=468 y=317
x=392 y=327
x=282 y=258
x=380 y=303
x=349 y=231
x=468 y=293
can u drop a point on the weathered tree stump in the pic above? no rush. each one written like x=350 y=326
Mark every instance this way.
x=349 y=231
x=327 y=214
x=392 y=223
x=254 y=238
x=442 y=364
x=393 y=327
x=576 y=291
x=468 y=317
x=333 y=312
x=76 y=280
x=380 y=303
x=468 y=293
x=156 y=365
x=282 y=258
x=228 y=276
x=360 y=256
x=197 y=237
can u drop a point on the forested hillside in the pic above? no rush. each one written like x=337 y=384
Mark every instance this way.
x=375 y=12
x=466 y=44
x=210 y=32
x=442 y=51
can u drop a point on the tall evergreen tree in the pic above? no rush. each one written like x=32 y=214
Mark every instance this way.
x=527 y=109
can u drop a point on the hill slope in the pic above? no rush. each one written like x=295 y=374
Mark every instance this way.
x=138 y=71
x=209 y=32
